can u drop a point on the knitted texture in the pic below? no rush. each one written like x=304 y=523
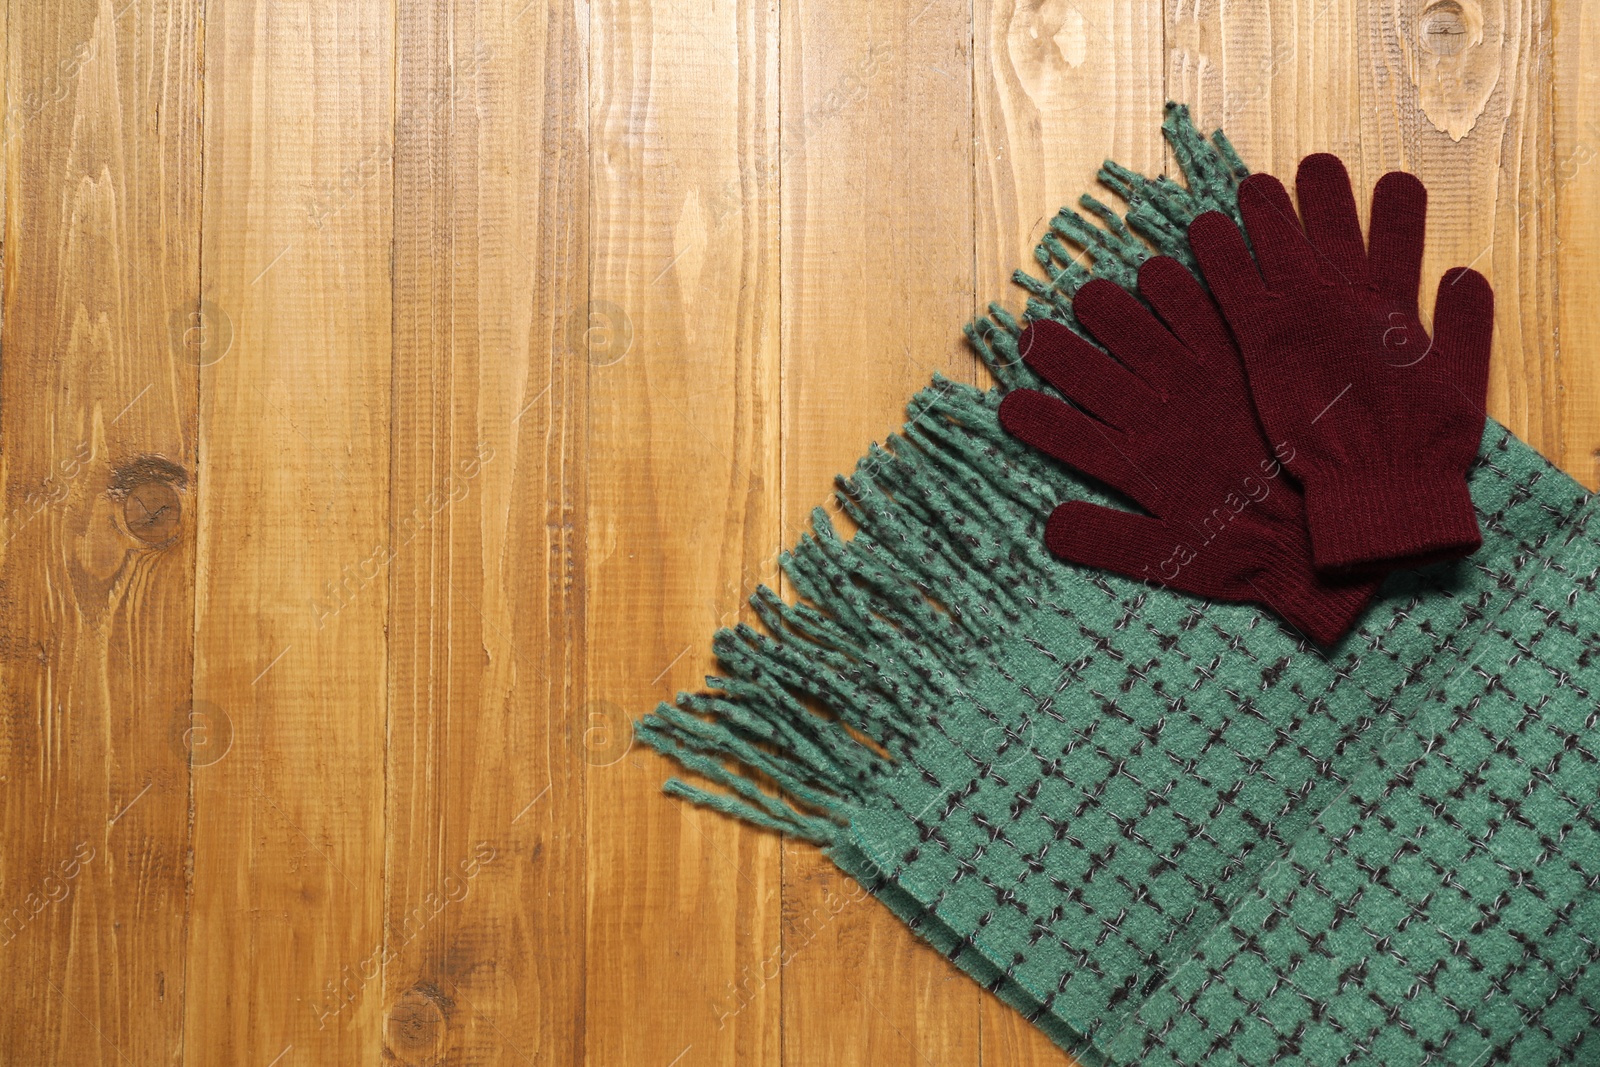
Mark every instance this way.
x=1444 y=901
x=1115 y=783
x=1168 y=421
x=1381 y=420
x=1095 y=791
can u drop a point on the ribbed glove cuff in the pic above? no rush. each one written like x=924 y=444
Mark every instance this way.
x=1374 y=520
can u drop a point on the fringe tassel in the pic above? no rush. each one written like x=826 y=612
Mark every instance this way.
x=811 y=713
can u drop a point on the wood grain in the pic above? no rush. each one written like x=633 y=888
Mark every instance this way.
x=1278 y=76
x=1575 y=185
x=395 y=398
x=1059 y=89
x=682 y=467
x=288 y=872
x=483 y=876
x=97 y=418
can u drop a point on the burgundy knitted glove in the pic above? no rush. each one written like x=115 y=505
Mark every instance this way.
x=1380 y=423
x=1172 y=427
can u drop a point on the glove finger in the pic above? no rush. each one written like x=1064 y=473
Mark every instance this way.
x=1226 y=262
x=1136 y=546
x=1329 y=209
x=1060 y=430
x=1133 y=335
x=1086 y=375
x=1463 y=330
x=1287 y=259
x=1399 y=223
x=1188 y=311
x=1046 y=345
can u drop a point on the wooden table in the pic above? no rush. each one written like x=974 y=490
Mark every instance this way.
x=395 y=397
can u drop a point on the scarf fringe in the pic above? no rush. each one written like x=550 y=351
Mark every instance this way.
x=810 y=714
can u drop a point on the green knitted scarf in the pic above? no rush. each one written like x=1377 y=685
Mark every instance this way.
x=1171 y=831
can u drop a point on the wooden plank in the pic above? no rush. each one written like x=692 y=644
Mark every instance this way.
x=859 y=986
x=681 y=348
x=486 y=861
x=288 y=896
x=877 y=279
x=1058 y=91
x=97 y=453
x=1576 y=187
x=1276 y=75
